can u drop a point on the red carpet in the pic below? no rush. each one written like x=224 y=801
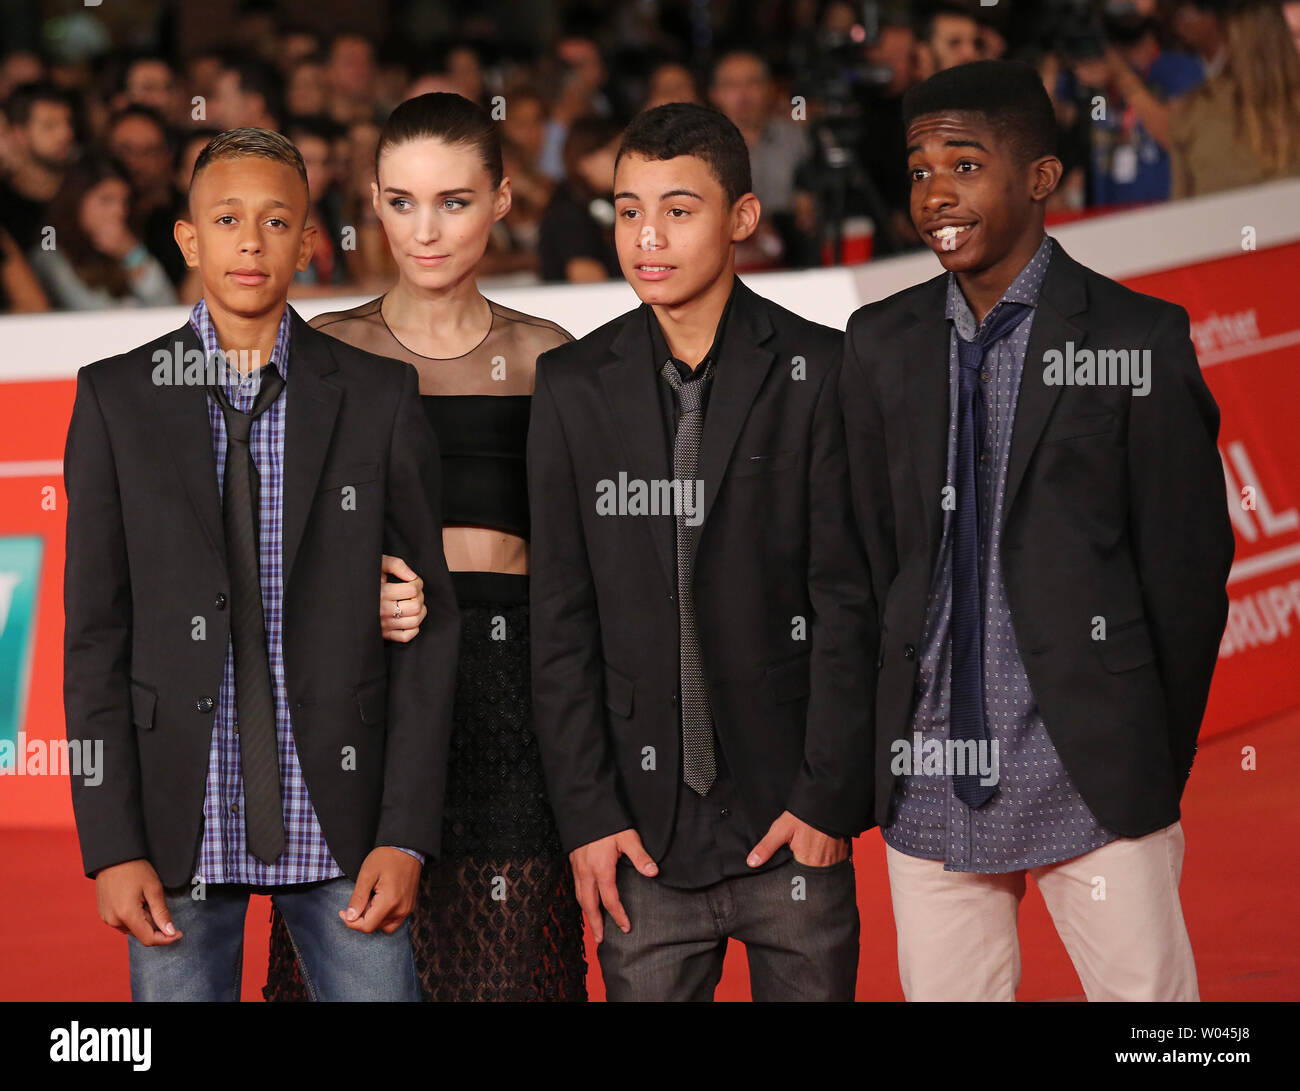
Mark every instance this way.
x=1240 y=887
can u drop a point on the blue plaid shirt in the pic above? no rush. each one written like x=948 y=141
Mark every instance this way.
x=223 y=853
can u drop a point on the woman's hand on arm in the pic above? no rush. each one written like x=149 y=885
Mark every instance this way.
x=401 y=604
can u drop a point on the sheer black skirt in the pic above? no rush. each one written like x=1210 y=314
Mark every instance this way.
x=496 y=918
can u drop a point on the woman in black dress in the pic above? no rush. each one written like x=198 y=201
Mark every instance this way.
x=496 y=918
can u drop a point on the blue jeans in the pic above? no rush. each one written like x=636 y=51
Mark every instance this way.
x=336 y=962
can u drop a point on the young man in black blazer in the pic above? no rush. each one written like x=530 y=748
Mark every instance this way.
x=701 y=604
x=1035 y=476
x=220 y=636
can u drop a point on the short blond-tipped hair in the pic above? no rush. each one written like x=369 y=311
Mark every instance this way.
x=240 y=143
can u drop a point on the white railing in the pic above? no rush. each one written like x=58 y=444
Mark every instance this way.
x=1125 y=244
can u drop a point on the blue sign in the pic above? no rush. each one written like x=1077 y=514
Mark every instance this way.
x=20 y=573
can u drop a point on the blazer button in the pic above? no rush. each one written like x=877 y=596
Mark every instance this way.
x=220 y=601
x=909 y=652
x=204 y=704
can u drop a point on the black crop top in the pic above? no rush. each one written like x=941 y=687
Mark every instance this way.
x=477 y=404
x=482 y=438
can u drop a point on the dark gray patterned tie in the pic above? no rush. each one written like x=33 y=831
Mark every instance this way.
x=699 y=768
x=254 y=695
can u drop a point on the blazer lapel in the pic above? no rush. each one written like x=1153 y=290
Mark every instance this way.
x=628 y=379
x=183 y=408
x=926 y=395
x=740 y=373
x=309 y=426
x=1062 y=295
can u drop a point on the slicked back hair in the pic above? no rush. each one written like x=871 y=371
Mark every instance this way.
x=451 y=118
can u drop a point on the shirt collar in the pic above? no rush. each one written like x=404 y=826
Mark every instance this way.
x=201 y=323
x=660 y=343
x=1024 y=289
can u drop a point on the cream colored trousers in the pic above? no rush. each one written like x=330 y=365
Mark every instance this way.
x=1116 y=910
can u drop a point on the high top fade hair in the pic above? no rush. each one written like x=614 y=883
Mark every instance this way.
x=1007 y=95
x=687 y=128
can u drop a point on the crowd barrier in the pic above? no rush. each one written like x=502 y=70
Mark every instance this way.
x=1233 y=260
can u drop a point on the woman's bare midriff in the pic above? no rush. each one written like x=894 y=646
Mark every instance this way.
x=482 y=549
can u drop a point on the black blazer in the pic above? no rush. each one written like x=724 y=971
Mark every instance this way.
x=777 y=544
x=1115 y=509
x=146 y=558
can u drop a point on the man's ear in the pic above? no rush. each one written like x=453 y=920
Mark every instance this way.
x=745 y=215
x=306 y=247
x=1044 y=176
x=187 y=239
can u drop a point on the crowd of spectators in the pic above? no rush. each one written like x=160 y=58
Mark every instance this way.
x=1156 y=99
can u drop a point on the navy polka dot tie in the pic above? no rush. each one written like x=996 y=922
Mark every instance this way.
x=967 y=629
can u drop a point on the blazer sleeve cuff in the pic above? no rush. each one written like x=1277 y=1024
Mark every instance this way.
x=831 y=817
x=578 y=831
x=92 y=865
x=409 y=852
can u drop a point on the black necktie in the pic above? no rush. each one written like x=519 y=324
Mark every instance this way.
x=699 y=768
x=254 y=694
x=967 y=626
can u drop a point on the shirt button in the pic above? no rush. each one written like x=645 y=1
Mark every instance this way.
x=220 y=601
x=909 y=651
x=985 y=376
x=204 y=704
x=236 y=729
x=234 y=808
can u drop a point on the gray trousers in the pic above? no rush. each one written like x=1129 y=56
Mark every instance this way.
x=799 y=926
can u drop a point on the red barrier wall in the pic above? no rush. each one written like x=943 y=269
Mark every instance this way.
x=1247 y=330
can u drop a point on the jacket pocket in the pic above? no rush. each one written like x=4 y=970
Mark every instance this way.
x=338 y=477
x=372 y=701
x=1080 y=427
x=1127 y=646
x=747 y=465
x=788 y=679
x=143 y=703
x=618 y=692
